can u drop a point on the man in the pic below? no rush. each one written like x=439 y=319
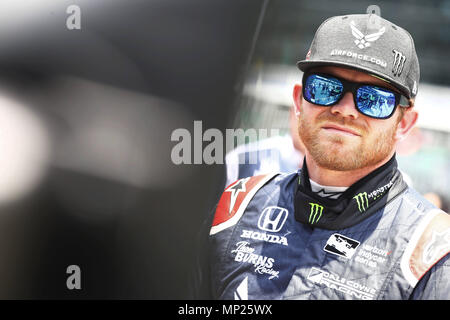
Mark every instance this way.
x=277 y=237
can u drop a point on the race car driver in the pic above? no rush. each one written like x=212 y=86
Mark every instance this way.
x=275 y=237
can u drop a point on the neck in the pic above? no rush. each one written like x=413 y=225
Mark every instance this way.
x=328 y=177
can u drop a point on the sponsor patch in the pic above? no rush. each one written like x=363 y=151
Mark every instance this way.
x=316 y=212
x=262 y=236
x=362 y=199
x=359 y=56
x=263 y=265
x=341 y=245
x=272 y=219
x=399 y=62
x=234 y=201
x=349 y=287
x=363 y=41
x=371 y=256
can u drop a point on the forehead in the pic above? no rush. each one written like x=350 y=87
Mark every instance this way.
x=353 y=75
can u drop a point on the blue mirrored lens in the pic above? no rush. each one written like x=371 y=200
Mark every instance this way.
x=321 y=90
x=375 y=102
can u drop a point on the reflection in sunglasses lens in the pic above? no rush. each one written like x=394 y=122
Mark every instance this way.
x=322 y=90
x=375 y=102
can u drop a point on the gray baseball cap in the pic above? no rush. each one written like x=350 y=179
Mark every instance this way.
x=368 y=43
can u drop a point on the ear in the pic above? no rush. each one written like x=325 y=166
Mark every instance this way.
x=406 y=124
x=297 y=95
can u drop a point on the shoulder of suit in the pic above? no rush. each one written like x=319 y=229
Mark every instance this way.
x=234 y=201
x=429 y=243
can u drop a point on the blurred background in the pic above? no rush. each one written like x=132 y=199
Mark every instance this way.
x=86 y=118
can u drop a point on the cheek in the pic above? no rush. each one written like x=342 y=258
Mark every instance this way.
x=381 y=127
x=309 y=112
x=380 y=139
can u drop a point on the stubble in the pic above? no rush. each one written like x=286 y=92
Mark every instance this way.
x=342 y=153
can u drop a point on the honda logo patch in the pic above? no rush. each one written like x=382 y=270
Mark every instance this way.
x=272 y=219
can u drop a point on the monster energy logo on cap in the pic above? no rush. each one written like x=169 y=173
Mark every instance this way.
x=316 y=213
x=362 y=201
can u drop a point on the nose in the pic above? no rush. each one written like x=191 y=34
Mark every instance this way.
x=345 y=107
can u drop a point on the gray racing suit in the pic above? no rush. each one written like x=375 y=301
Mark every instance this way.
x=258 y=247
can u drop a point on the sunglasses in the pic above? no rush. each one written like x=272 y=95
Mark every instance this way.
x=373 y=101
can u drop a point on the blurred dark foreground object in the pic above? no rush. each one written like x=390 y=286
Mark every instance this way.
x=106 y=99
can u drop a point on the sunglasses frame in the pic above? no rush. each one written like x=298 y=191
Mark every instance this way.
x=350 y=86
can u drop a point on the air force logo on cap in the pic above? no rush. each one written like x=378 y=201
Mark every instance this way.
x=272 y=219
x=363 y=41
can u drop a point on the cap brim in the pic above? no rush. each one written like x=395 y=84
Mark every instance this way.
x=305 y=65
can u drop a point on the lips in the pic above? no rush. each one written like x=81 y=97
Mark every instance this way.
x=339 y=129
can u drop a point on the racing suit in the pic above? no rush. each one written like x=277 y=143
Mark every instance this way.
x=272 y=238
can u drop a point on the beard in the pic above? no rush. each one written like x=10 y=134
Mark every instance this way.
x=344 y=153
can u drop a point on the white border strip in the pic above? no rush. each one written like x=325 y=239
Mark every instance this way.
x=412 y=243
x=233 y=220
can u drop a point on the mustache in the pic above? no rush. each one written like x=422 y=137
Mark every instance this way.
x=341 y=121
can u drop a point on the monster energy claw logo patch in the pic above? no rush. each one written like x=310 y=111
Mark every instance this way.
x=316 y=212
x=362 y=201
x=399 y=62
x=362 y=198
